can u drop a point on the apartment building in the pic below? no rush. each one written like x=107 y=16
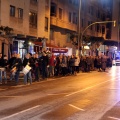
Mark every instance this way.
x=63 y=22
x=27 y=18
x=116 y=29
x=54 y=20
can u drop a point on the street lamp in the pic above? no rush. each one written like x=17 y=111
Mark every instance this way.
x=79 y=26
x=96 y=23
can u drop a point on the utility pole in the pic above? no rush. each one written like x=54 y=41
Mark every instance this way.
x=79 y=27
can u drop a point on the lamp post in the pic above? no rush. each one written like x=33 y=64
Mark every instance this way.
x=93 y=24
x=79 y=26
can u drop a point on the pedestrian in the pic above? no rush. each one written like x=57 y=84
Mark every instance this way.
x=3 y=69
x=36 y=67
x=77 y=62
x=17 y=67
x=44 y=64
x=10 y=64
x=29 y=62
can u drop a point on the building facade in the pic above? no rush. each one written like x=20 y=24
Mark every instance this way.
x=56 y=21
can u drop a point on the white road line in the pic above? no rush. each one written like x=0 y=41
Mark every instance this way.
x=8 y=117
x=76 y=107
x=88 y=87
x=9 y=96
x=114 y=118
x=58 y=94
x=2 y=89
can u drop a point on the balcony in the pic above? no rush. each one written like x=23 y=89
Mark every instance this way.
x=62 y=24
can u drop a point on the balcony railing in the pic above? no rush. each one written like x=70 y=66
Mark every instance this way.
x=63 y=24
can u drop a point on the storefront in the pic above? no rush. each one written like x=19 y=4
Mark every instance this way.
x=54 y=49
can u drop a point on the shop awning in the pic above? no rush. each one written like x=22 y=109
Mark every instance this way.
x=110 y=43
x=52 y=48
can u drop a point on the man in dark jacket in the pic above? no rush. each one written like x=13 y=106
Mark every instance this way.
x=3 y=67
x=17 y=66
x=44 y=64
x=10 y=64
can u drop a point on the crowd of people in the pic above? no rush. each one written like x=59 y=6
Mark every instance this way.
x=36 y=67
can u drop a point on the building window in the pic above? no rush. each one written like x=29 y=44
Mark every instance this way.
x=103 y=29
x=89 y=23
x=20 y=13
x=82 y=23
x=98 y=27
x=92 y=10
x=74 y=18
x=47 y=3
x=51 y=34
x=33 y=19
x=68 y=37
x=35 y=0
x=70 y=17
x=53 y=9
x=60 y=13
x=91 y=27
x=70 y=1
x=12 y=11
x=46 y=23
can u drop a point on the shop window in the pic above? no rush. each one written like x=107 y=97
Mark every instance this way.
x=46 y=23
x=33 y=19
x=12 y=11
x=20 y=13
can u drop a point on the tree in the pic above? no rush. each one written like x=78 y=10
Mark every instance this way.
x=7 y=30
x=74 y=39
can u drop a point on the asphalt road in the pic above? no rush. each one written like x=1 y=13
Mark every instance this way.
x=87 y=96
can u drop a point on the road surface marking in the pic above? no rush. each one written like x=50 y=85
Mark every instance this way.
x=57 y=94
x=9 y=96
x=2 y=89
x=76 y=107
x=89 y=87
x=114 y=118
x=8 y=117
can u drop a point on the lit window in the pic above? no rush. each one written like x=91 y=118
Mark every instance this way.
x=33 y=19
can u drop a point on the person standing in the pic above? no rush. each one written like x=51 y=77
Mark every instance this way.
x=18 y=67
x=10 y=64
x=36 y=67
x=104 y=62
x=3 y=65
x=52 y=65
x=29 y=62
x=44 y=64
x=77 y=62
